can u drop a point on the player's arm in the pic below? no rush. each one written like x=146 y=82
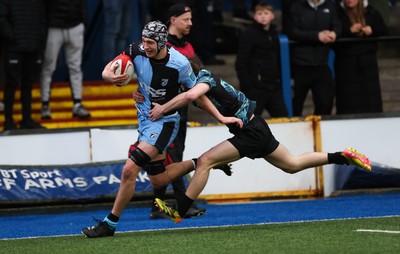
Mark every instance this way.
x=205 y=103
x=178 y=101
x=108 y=75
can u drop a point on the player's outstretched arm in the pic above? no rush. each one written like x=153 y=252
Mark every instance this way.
x=205 y=103
x=178 y=101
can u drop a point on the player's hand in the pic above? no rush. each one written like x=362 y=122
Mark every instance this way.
x=156 y=112
x=232 y=120
x=109 y=76
x=138 y=96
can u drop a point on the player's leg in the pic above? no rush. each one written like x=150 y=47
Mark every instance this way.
x=138 y=158
x=284 y=160
x=172 y=172
x=222 y=153
x=176 y=154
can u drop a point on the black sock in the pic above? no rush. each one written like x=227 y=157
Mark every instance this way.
x=159 y=193
x=184 y=204
x=113 y=217
x=195 y=162
x=337 y=158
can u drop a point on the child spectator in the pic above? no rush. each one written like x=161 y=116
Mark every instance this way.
x=258 y=63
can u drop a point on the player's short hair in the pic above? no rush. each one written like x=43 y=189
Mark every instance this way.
x=156 y=30
x=263 y=6
x=196 y=64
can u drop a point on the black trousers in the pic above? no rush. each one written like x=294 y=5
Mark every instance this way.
x=319 y=80
x=22 y=69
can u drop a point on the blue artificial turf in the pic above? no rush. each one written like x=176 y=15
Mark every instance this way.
x=136 y=219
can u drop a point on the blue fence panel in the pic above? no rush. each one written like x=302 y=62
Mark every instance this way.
x=285 y=69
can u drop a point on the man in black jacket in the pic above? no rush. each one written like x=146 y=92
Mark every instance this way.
x=314 y=25
x=23 y=26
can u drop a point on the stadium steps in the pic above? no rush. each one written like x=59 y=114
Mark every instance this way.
x=108 y=105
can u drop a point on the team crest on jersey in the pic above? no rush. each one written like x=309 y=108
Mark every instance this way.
x=141 y=47
x=164 y=82
x=153 y=135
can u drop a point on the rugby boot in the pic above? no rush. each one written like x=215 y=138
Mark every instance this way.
x=355 y=158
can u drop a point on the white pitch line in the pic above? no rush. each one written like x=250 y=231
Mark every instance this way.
x=378 y=231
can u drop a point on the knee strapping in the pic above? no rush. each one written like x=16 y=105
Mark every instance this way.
x=155 y=167
x=139 y=157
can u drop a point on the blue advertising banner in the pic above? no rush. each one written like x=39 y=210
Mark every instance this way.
x=84 y=181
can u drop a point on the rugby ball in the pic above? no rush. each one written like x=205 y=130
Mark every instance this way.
x=123 y=64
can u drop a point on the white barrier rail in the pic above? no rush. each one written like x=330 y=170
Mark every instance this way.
x=379 y=138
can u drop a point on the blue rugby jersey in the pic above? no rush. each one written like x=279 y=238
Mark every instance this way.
x=228 y=100
x=160 y=80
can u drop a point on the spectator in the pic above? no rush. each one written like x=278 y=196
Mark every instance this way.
x=65 y=29
x=117 y=27
x=356 y=67
x=179 y=24
x=258 y=63
x=314 y=26
x=22 y=25
x=203 y=19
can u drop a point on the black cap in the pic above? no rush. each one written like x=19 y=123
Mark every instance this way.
x=178 y=9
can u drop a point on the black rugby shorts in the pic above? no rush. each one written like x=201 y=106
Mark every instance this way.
x=255 y=140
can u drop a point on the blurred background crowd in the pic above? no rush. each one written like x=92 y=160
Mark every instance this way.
x=335 y=47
